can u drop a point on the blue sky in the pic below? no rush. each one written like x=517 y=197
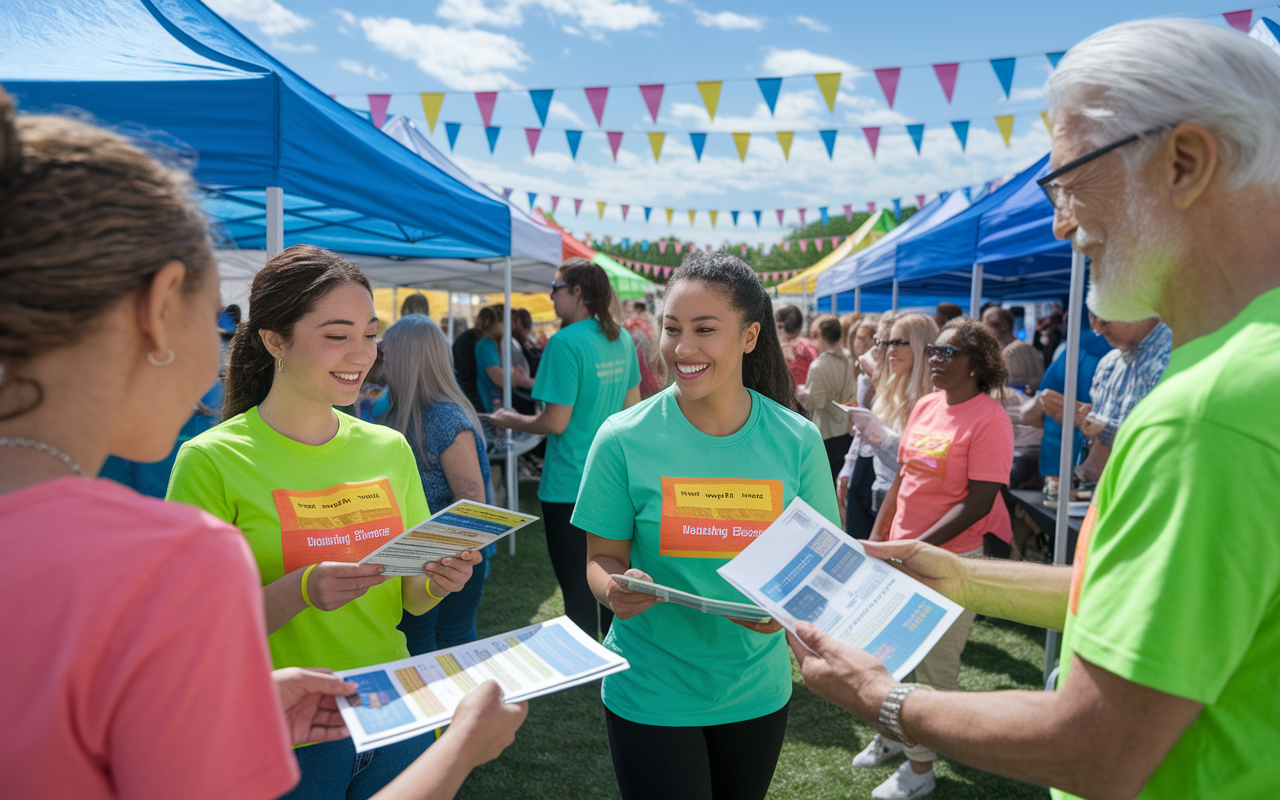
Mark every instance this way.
x=461 y=46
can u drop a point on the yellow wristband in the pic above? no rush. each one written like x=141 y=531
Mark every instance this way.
x=305 y=574
x=427 y=588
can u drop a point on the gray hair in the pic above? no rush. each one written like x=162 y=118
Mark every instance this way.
x=1135 y=76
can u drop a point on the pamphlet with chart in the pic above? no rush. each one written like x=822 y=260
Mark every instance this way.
x=465 y=525
x=805 y=569
x=406 y=698
x=722 y=608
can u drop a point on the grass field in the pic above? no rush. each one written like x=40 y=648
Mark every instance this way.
x=562 y=751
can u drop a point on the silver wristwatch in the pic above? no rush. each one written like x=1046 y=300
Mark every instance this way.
x=891 y=711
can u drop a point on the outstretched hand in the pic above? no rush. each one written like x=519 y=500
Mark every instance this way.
x=310 y=708
x=845 y=675
x=940 y=570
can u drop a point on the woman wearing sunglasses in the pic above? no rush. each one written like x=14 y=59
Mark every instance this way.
x=956 y=453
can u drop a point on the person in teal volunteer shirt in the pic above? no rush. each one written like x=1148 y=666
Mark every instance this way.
x=673 y=489
x=588 y=372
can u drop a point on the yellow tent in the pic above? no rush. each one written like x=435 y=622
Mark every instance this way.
x=387 y=302
x=877 y=225
x=539 y=306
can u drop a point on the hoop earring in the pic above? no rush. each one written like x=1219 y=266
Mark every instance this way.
x=167 y=359
x=279 y=365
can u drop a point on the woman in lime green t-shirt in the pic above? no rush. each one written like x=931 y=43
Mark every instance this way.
x=314 y=490
x=672 y=489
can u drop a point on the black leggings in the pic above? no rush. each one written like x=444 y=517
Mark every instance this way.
x=567 y=546
x=734 y=761
x=859 y=519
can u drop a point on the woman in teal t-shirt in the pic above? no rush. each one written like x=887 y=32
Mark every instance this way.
x=673 y=488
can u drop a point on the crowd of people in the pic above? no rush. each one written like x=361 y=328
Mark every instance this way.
x=188 y=650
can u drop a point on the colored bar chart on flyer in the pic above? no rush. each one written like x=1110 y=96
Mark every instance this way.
x=465 y=525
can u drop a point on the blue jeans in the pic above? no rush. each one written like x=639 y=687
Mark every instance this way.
x=451 y=622
x=335 y=771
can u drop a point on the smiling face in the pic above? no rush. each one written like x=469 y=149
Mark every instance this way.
x=704 y=340
x=950 y=375
x=901 y=359
x=331 y=350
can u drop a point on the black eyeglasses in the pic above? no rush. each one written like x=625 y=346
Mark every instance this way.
x=1055 y=191
x=555 y=287
x=892 y=342
x=944 y=351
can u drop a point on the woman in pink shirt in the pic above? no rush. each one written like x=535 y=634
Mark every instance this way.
x=956 y=452
x=136 y=627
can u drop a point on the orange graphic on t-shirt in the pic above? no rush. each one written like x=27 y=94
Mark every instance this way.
x=341 y=523
x=715 y=517
x=927 y=452
x=1082 y=551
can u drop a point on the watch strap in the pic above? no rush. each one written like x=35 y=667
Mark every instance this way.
x=891 y=711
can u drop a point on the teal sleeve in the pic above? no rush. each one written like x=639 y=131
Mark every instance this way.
x=633 y=363
x=604 y=499
x=558 y=375
x=196 y=481
x=816 y=486
x=487 y=354
x=1184 y=560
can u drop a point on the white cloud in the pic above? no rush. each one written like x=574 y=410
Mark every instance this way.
x=594 y=15
x=290 y=47
x=469 y=13
x=559 y=110
x=347 y=22
x=804 y=62
x=271 y=18
x=368 y=71
x=728 y=21
x=812 y=24
x=460 y=59
x=1024 y=94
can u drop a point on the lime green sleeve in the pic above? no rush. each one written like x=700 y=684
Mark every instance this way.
x=197 y=481
x=816 y=486
x=415 y=498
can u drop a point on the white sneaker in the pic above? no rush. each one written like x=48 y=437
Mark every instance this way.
x=879 y=751
x=905 y=783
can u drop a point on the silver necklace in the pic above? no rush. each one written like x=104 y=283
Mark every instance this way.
x=13 y=441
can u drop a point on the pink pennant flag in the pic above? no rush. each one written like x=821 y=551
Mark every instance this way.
x=889 y=82
x=801 y=210
x=848 y=213
x=596 y=96
x=486 y=101
x=662 y=246
x=666 y=272
x=652 y=94
x=835 y=242
x=615 y=141
x=577 y=206
x=555 y=201
x=624 y=211
x=378 y=109
x=1240 y=20
x=708 y=248
x=787 y=245
x=919 y=201
x=780 y=217
x=804 y=244
x=871 y=207
x=947 y=77
x=532 y=135
x=743 y=248
x=873 y=138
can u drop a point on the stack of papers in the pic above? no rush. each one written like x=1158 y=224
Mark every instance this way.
x=722 y=608
x=805 y=569
x=407 y=698
x=465 y=525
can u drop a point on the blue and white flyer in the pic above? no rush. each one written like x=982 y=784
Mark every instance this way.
x=465 y=525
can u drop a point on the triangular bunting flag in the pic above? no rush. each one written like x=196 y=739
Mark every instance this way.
x=378 y=109
x=780 y=212
x=947 y=77
x=431 y=102
x=848 y=213
x=801 y=210
x=652 y=94
x=835 y=242
x=871 y=207
x=713 y=214
x=577 y=206
x=919 y=202
x=662 y=246
x=968 y=193
x=492 y=135
x=829 y=83
x=823 y=211
x=784 y=139
x=889 y=82
x=757 y=213
x=1005 y=124
x=625 y=209
x=486 y=101
x=804 y=245
x=829 y=139
x=699 y=141
x=692 y=214
x=541 y=103
x=596 y=96
x=873 y=138
x=532 y=135
x=451 y=130
x=742 y=248
x=1004 y=72
x=740 y=141
x=555 y=201
x=506 y=191
x=669 y=211
x=897 y=208
x=710 y=91
x=532 y=197
x=615 y=141
x=734 y=214
x=647 y=211
x=1044 y=117
x=769 y=88
x=1054 y=58
x=916 y=132
x=1240 y=20
x=961 y=127
x=655 y=141
x=787 y=245
x=600 y=208
x=574 y=138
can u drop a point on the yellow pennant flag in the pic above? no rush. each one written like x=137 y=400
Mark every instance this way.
x=741 y=139
x=600 y=207
x=669 y=211
x=784 y=139
x=655 y=141
x=713 y=217
x=1005 y=124
x=431 y=102
x=710 y=91
x=692 y=213
x=1044 y=116
x=829 y=82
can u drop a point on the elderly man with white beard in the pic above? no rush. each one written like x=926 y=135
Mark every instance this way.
x=1166 y=151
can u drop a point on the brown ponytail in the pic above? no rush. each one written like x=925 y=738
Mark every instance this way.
x=597 y=292
x=284 y=291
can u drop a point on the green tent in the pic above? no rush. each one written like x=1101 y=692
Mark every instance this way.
x=627 y=284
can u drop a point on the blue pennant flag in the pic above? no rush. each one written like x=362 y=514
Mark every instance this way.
x=823 y=211
x=757 y=213
x=961 y=127
x=917 y=135
x=541 y=102
x=647 y=210
x=1054 y=58
x=829 y=139
x=492 y=134
x=575 y=138
x=626 y=243
x=968 y=194
x=1004 y=71
x=699 y=141
x=644 y=245
x=734 y=214
x=532 y=197
x=897 y=208
x=451 y=129
x=769 y=88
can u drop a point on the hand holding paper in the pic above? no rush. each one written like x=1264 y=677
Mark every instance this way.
x=869 y=427
x=838 y=672
x=626 y=602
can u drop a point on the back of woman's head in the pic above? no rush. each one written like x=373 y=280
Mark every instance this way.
x=828 y=327
x=983 y=348
x=489 y=316
x=85 y=219
x=764 y=369
x=897 y=395
x=1025 y=366
x=597 y=292
x=418 y=366
x=284 y=291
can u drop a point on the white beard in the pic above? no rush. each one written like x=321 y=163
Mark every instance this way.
x=1140 y=259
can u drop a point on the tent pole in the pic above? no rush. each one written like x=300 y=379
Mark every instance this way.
x=857 y=300
x=895 y=295
x=975 y=291
x=513 y=486
x=395 y=303
x=1066 y=460
x=275 y=220
x=449 y=318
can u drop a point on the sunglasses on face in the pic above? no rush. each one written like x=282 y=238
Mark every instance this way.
x=891 y=342
x=943 y=351
x=555 y=287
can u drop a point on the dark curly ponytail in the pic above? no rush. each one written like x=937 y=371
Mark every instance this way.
x=597 y=292
x=764 y=369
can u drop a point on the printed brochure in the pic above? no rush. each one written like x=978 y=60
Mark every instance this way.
x=722 y=608
x=804 y=568
x=465 y=525
x=410 y=697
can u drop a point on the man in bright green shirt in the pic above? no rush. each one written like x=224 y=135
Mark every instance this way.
x=1166 y=173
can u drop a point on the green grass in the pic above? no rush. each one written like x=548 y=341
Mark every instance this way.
x=562 y=750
